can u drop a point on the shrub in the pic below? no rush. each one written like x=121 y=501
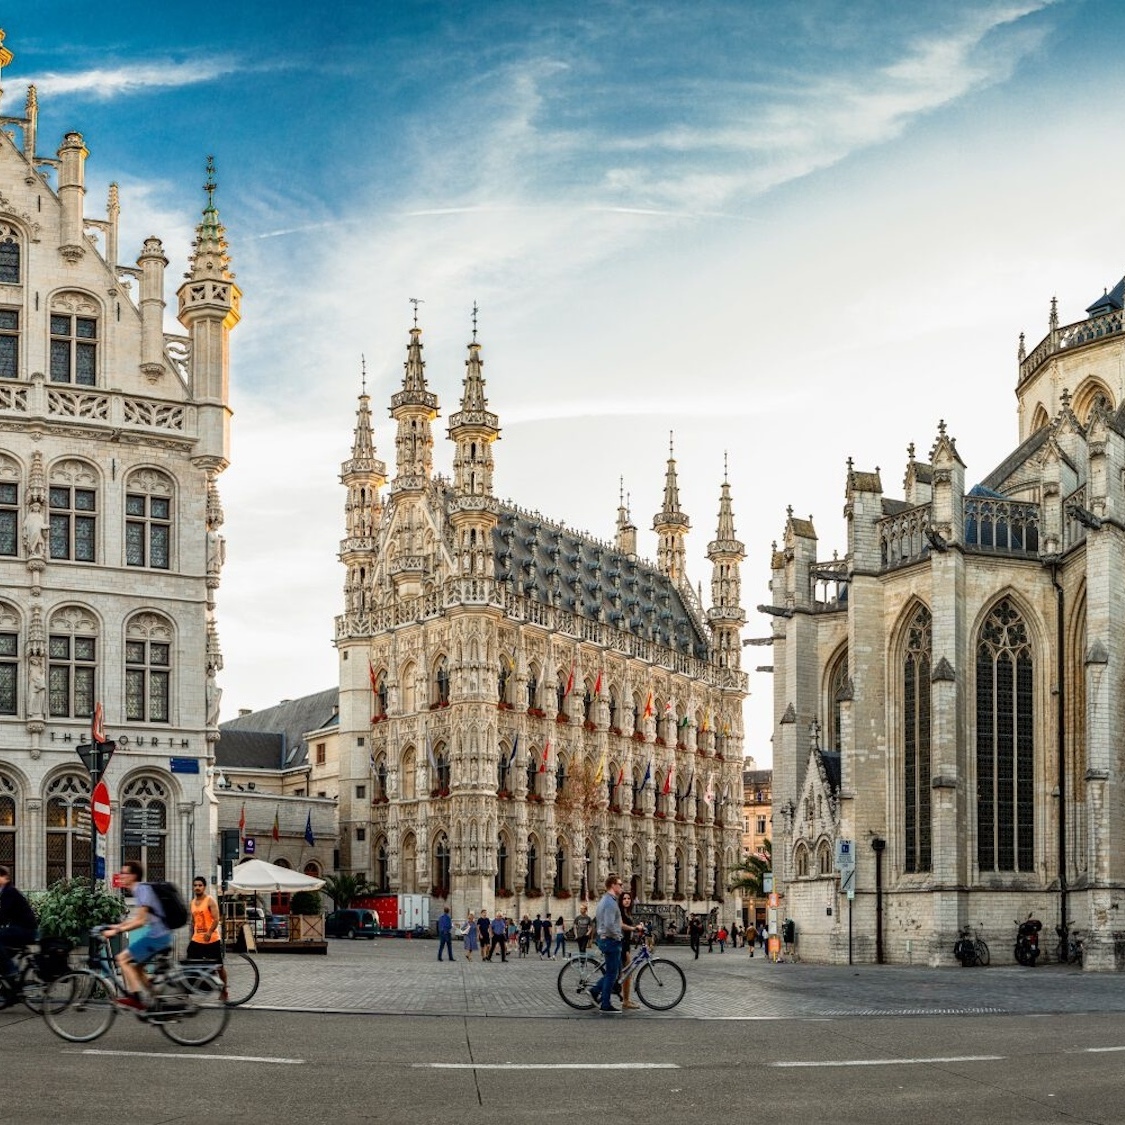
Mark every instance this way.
x=305 y=902
x=71 y=908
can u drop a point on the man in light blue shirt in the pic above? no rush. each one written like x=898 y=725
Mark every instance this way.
x=607 y=920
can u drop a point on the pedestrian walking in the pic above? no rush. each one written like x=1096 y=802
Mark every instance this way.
x=469 y=933
x=609 y=931
x=710 y=938
x=484 y=932
x=583 y=924
x=537 y=933
x=560 y=937
x=695 y=934
x=445 y=934
x=499 y=938
x=525 y=936
x=721 y=938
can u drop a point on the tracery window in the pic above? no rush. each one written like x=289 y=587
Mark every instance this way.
x=917 y=820
x=531 y=882
x=148 y=520
x=441 y=864
x=9 y=256
x=9 y=518
x=8 y=795
x=72 y=664
x=68 y=836
x=144 y=820
x=1005 y=742
x=148 y=669
x=560 y=870
x=9 y=673
x=801 y=861
x=74 y=346
x=500 y=883
x=9 y=343
x=382 y=867
x=72 y=499
x=837 y=685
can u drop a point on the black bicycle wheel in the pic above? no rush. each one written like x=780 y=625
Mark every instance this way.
x=31 y=989
x=981 y=947
x=194 y=1012
x=79 y=1006
x=660 y=984
x=242 y=978
x=575 y=979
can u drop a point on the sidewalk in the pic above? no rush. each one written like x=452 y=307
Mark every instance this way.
x=400 y=977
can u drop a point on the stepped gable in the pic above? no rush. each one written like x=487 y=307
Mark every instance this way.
x=285 y=723
x=556 y=566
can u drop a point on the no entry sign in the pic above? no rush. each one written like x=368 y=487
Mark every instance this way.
x=100 y=807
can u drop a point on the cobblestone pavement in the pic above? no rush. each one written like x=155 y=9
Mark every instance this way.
x=401 y=977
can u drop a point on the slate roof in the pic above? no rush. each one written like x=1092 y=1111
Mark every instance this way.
x=274 y=738
x=831 y=762
x=995 y=480
x=556 y=566
x=1114 y=299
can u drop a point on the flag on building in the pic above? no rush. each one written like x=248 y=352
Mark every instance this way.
x=569 y=682
x=706 y=723
x=430 y=755
x=684 y=722
x=598 y=685
x=621 y=776
x=546 y=755
x=690 y=783
x=599 y=777
x=648 y=775
x=669 y=710
x=648 y=706
x=310 y=839
x=276 y=826
x=709 y=792
x=371 y=676
x=97 y=727
x=242 y=821
x=668 y=780
x=512 y=755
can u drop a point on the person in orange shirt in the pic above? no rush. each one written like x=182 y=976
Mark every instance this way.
x=206 y=937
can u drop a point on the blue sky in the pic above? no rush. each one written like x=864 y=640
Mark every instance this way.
x=794 y=232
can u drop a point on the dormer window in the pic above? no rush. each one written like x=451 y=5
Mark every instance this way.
x=74 y=349
x=9 y=257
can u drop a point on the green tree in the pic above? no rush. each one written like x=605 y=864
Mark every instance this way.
x=747 y=876
x=343 y=890
x=71 y=908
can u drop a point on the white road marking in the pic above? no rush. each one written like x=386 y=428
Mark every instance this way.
x=896 y=1062
x=189 y=1055
x=546 y=1066
x=1102 y=1050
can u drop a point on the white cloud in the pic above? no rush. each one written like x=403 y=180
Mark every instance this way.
x=112 y=82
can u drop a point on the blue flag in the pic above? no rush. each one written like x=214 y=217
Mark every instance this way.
x=309 y=837
x=648 y=774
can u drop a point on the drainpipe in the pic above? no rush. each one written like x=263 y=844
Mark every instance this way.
x=878 y=845
x=1060 y=702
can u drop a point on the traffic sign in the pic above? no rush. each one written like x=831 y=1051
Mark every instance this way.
x=845 y=856
x=101 y=808
x=248 y=845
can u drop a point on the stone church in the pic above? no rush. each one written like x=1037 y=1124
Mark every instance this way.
x=112 y=435
x=949 y=697
x=524 y=708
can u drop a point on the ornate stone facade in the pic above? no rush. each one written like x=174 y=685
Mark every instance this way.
x=523 y=708
x=111 y=438
x=949 y=697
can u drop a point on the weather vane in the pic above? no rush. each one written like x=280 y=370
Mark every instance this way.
x=363 y=371
x=416 y=301
x=210 y=185
x=474 y=322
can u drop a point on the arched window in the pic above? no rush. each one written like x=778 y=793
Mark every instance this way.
x=382 y=867
x=1005 y=742
x=678 y=875
x=560 y=869
x=9 y=255
x=10 y=666
x=441 y=682
x=441 y=866
x=68 y=836
x=74 y=340
x=408 y=875
x=560 y=775
x=658 y=875
x=8 y=795
x=72 y=497
x=637 y=779
x=531 y=883
x=144 y=825
x=697 y=880
x=533 y=687
x=588 y=705
x=148 y=668
x=441 y=778
x=837 y=689
x=560 y=693
x=612 y=709
x=408 y=774
x=500 y=883
x=658 y=790
x=312 y=869
x=916 y=741
x=801 y=861
x=611 y=784
x=72 y=655
x=533 y=760
x=824 y=858
x=636 y=718
x=148 y=519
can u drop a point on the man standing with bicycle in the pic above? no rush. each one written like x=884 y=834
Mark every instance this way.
x=607 y=920
x=206 y=941
x=154 y=938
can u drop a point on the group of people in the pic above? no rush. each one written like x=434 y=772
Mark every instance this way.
x=491 y=936
x=737 y=936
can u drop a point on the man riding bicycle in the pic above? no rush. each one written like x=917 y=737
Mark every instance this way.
x=154 y=938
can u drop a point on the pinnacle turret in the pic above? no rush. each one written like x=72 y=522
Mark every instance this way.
x=363 y=475
x=726 y=552
x=414 y=408
x=626 y=530
x=671 y=525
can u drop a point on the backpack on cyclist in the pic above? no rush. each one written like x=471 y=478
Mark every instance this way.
x=170 y=906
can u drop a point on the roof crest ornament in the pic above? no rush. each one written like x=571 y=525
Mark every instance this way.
x=416 y=301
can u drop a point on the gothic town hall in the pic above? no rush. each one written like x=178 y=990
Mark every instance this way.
x=523 y=709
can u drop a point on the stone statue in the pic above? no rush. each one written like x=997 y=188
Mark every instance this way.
x=35 y=531
x=214 y=697
x=216 y=551
x=37 y=688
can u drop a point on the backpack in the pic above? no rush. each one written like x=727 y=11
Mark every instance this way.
x=173 y=913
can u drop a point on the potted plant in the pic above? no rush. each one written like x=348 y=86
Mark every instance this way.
x=69 y=909
x=306 y=917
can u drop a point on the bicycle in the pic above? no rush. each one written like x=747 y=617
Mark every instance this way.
x=186 y=1001
x=37 y=964
x=1071 y=948
x=658 y=983
x=242 y=975
x=971 y=949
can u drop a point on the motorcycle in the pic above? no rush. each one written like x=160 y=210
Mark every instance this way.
x=1027 y=941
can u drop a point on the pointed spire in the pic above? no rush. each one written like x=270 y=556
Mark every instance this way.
x=726 y=552
x=626 y=541
x=671 y=525
x=671 y=485
x=363 y=443
x=209 y=259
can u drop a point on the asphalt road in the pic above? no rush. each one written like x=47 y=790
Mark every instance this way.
x=298 y=1067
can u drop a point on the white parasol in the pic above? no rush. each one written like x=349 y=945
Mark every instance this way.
x=257 y=875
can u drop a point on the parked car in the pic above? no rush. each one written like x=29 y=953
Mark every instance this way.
x=256 y=920
x=277 y=926
x=352 y=924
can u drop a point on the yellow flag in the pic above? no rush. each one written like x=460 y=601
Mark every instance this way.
x=599 y=777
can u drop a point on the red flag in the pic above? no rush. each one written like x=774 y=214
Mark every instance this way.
x=569 y=682
x=598 y=685
x=546 y=752
x=668 y=780
x=276 y=827
x=371 y=676
x=242 y=820
x=621 y=776
x=648 y=706
x=97 y=727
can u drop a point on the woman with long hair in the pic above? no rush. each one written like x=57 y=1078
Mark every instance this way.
x=469 y=933
x=629 y=928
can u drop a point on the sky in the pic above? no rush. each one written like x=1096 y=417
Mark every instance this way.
x=787 y=234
